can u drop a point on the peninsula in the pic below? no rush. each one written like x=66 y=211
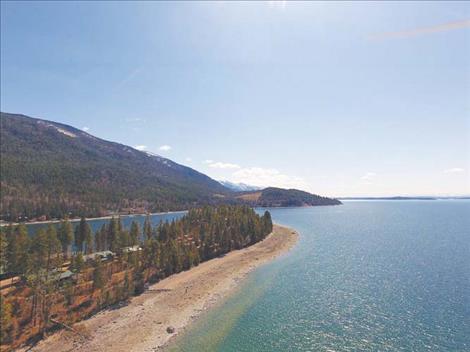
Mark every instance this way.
x=147 y=322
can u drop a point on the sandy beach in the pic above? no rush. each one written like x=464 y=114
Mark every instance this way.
x=142 y=324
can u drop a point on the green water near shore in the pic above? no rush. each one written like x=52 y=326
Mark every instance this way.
x=365 y=276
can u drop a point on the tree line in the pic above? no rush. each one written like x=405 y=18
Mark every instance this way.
x=168 y=248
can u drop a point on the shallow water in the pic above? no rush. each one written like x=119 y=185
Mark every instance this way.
x=364 y=276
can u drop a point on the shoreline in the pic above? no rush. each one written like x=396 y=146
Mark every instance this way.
x=90 y=219
x=177 y=301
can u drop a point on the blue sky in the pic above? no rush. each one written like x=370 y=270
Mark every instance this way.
x=341 y=99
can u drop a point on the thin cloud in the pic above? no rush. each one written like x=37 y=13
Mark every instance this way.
x=141 y=147
x=188 y=159
x=165 y=148
x=129 y=77
x=422 y=30
x=86 y=129
x=208 y=161
x=454 y=170
x=221 y=165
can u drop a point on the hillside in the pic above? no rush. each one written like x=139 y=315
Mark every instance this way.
x=278 y=197
x=48 y=168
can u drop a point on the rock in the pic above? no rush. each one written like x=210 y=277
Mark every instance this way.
x=170 y=329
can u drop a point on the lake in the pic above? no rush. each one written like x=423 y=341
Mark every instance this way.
x=126 y=221
x=364 y=276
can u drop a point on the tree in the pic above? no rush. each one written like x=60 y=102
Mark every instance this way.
x=112 y=235
x=17 y=249
x=147 y=227
x=98 y=274
x=78 y=263
x=135 y=232
x=267 y=222
x=3 y=251
x=65 y=235
x=88 y=239
x=80 y=233
x=5 y=320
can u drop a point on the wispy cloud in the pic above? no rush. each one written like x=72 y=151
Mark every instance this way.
x=221 y=165
x=141 y=147
x=369 y=176
x=129 y=77
x=165 y=148
x=188 y=159
x=86 y=129
x=444 y=27
x=208 y=161
x=454 y=170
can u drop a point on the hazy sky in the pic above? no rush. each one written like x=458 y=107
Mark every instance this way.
x=340 y=99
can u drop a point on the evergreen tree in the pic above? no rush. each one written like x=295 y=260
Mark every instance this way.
x=81 y=233
x=147 y=228
x=3 y=251
x=17 y=249
x=112 y=235
x=98 y=275
x=88 y=239
x=65 y=235
x=6 y=319
x=135 y=231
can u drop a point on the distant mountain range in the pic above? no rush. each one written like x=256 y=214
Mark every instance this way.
x=52 y=170
x=405 y=198
x=239 y=187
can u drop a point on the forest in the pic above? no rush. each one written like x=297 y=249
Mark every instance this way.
x=64 y=274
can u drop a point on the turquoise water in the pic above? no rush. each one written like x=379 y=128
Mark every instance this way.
x=364 y=276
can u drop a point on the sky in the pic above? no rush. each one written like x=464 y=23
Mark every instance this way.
x=339 y=99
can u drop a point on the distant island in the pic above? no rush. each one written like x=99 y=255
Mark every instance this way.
x=405 y=198
x=51 y=170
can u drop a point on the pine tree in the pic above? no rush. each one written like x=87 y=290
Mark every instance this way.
x=135 y=232
x=81 y=233
x=17 y=249
x=3 y=251
x=147 y=228
x=98 y=275
x=65 y=235
x=88 y=239
x=6 y=318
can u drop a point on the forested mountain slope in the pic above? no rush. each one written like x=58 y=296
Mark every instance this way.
x=48 y=168
x=51 y=170
x=278 y=197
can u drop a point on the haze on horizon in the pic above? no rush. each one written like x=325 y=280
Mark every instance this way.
x=340 y=99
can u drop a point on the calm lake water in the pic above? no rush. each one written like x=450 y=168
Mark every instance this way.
x=126 y=221
x=364 y=276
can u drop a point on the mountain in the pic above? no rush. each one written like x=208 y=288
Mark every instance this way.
x=52 y=170
x=239 y=187
x=278 y=197
x=48 y=168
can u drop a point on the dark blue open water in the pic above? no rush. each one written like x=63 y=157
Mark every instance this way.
x=364 y=276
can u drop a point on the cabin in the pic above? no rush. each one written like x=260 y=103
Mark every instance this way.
x=103 y=255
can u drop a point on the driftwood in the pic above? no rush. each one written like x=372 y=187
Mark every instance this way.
x=68 y=327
